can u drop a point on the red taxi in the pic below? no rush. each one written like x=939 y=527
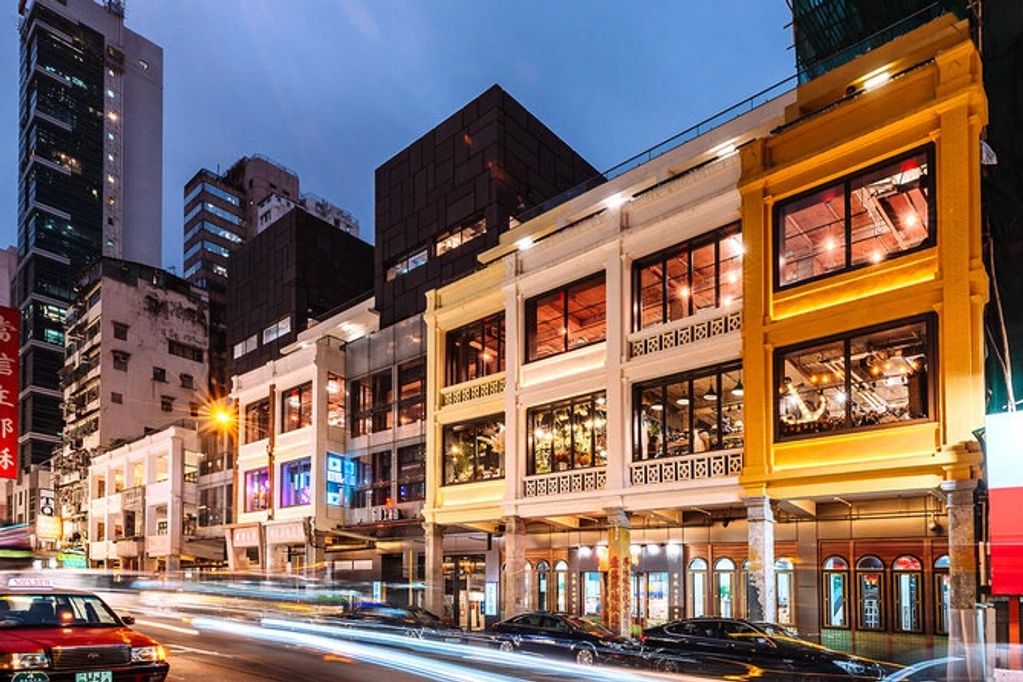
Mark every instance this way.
x=55 y=635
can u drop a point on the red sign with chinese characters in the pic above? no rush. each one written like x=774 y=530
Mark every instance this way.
x=9 y=319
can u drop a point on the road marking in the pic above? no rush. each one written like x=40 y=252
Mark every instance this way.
x=166 y=626
x=179 y=648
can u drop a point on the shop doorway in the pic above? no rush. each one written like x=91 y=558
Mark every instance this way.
x=464 y=590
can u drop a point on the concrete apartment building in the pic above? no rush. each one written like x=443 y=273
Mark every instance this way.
x=144 y=504
x=135 y=362
x=90 y=179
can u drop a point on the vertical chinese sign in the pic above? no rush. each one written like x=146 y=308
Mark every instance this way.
x=9 y=319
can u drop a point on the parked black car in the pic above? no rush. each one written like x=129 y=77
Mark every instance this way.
x=556 y=634
x=733 y=647
x=410 y=621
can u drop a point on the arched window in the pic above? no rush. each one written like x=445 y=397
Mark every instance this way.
x=836 y=592
x=869 y=593
x=724 y=586
x=527 y=579
x=561 y=585
x=785 y=591
x=542 y=576
x=696 y=579
x=908 y=577
x=942 y=595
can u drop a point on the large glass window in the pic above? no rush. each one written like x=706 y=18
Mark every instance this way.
x=335 y=400
x=474 y=451
x=863 y=219
x=836 y=572
x=257 y=490
x=297 y=404
x=412 y=473
x=475 y=350
x=908 y=576
x=863 y=379
x=593 y=588
x=372 y=403
x=570 y=317
x=452 y=239
x=257 y=420
x=411 y=392
x=869 y=593
x=373 y=473
x=570 y=434
x=693 y=412
x=296 y=482
x=705 y=272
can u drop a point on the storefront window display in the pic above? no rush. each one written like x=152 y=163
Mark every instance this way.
x=942 y=594
x=696 y=583
x=296 y=482
x=561 y=580
x=724 y=586
x=869 y=593
x=784 y=576
x=592 y=593
x=257 y=490
x=908 y=576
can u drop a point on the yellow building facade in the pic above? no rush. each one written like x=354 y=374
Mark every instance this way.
x=862 y=338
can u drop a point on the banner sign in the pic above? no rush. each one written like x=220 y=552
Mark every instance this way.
x=9 y=319
x=1004 y=449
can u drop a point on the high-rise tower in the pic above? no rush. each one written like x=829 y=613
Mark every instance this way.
x=90 y=176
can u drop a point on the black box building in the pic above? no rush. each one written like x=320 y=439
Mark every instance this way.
x=450 y=194
x=293 y=271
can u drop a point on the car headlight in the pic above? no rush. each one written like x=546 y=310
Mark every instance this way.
x=148 y=654
x=851 y=667
x=29 y=661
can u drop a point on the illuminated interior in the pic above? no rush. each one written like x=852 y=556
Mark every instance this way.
x=567 y=318
x=862 y=220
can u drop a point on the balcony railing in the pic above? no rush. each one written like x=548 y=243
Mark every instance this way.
x=684 y=332
x=565 y=482
x=470 y=391
x=701 y=465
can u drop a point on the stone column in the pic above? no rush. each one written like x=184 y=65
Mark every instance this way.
x=761 y=598
x=619 y=573
x=962 y=576
x=514 y=567
x=433 y=599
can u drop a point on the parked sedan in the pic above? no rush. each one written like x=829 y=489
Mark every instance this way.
x=726 y=646
x=555 y=634
x=410 y=621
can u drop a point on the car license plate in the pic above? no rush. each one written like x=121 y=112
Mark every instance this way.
x=95 y=676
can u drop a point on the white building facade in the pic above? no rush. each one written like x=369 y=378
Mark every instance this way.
x=292 y=485
x=143 y=504
x=585 y=402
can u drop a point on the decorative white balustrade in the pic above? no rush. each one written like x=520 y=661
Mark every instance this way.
x=566 y=482
x=703 y=465
x=663 y=339
x=469 y=391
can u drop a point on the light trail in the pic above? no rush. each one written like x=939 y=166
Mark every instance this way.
x=423 y=667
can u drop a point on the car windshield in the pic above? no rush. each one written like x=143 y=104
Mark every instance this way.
x=54 y=610
x=588 y=627
x=424 y=616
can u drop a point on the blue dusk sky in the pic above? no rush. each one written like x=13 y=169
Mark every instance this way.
x=333 y=88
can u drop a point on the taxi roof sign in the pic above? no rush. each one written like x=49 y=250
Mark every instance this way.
x=29 y=583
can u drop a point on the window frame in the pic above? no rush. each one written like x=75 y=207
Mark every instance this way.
x=569 y=404
x=717 y=371
x=256 y=407
x=844 y=573
x=529 y=317
x=301 y=466
x=304 y=420
x=846 y=181
x=454 y=369
x=255 y=473
x=408 y=374
x=714 y=236
x=474 y=423
x=930 y=321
